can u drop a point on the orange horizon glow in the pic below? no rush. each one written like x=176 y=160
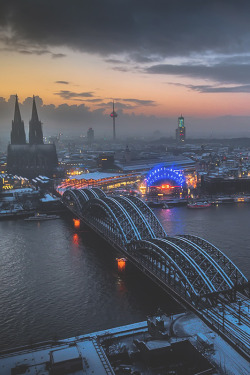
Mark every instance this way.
x=28 y=75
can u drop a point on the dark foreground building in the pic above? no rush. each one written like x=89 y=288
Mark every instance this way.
x=33 y=159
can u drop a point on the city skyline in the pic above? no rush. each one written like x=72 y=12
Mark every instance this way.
x=155 y=60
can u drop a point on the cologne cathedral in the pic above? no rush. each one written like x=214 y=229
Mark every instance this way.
x=34 y=158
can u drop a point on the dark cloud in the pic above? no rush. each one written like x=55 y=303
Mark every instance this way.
x=141 y=27
x=66 y=94
x=143 y=59
x=93 y=100
x=62 y=82
x=121 y=69
x=114 y=61
x=25 y=49
x=140 y=102
x=221 y=89
x=34 y=52
x=58 y=55
x=227 y=73
x=24 y=52
x=128 y=103
x=118 y=106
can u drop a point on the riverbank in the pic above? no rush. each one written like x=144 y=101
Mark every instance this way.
x=174 y=344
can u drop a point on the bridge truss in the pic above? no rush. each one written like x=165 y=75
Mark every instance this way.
x=190 y=266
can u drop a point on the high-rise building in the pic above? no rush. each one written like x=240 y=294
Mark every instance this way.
x=35 y=129
x=181 y=130
x=17 y=134
x=90 y=136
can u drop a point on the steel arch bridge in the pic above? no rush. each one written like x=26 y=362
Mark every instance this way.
x=186 y=265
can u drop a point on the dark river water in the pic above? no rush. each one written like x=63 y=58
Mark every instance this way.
x=57 y=281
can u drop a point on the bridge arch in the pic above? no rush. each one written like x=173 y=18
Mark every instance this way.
x=102 y=217
x=211 y=268
x=195 y=273
x=139 y=220
x=99 y=192
x=149 y=216
x=109 y=214
x=226 y=264
x=90 y=193
x=70 y=198
x=82 y=196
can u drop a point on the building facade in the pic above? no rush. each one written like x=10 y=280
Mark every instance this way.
x=33 y=159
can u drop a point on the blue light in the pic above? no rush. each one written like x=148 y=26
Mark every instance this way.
x=162 y=172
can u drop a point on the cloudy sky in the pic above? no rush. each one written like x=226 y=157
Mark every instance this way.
x=157 y=59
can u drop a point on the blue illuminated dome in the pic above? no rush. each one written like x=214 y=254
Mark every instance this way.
x=161 y=172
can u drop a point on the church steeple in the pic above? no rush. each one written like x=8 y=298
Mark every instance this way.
x=17 y=133
x=34 y=116
x=17 y=114
x=35 y=129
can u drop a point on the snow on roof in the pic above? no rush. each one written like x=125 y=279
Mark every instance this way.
x=48 y=198
x=66 y=354
x=43 y=177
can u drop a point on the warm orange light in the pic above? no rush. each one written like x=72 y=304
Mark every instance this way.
x=240 y=200
x=76 y=239
x=121 y=262
x=77 y=223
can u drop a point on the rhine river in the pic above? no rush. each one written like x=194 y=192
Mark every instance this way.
x=57 y=281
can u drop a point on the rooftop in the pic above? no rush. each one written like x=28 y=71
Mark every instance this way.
x=99 y=352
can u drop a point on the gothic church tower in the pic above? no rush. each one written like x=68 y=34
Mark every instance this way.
x=35 y=128
x=17 y=134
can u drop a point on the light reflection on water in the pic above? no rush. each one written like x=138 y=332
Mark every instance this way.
x=56 y=281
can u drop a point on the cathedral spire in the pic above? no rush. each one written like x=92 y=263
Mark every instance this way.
x=17 y=114
x=34 y=116
x=35 y=129
x=17 y=132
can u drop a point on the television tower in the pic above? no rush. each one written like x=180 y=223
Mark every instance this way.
x=113 y=115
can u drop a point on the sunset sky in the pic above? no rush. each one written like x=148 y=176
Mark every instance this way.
x=157 y=59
